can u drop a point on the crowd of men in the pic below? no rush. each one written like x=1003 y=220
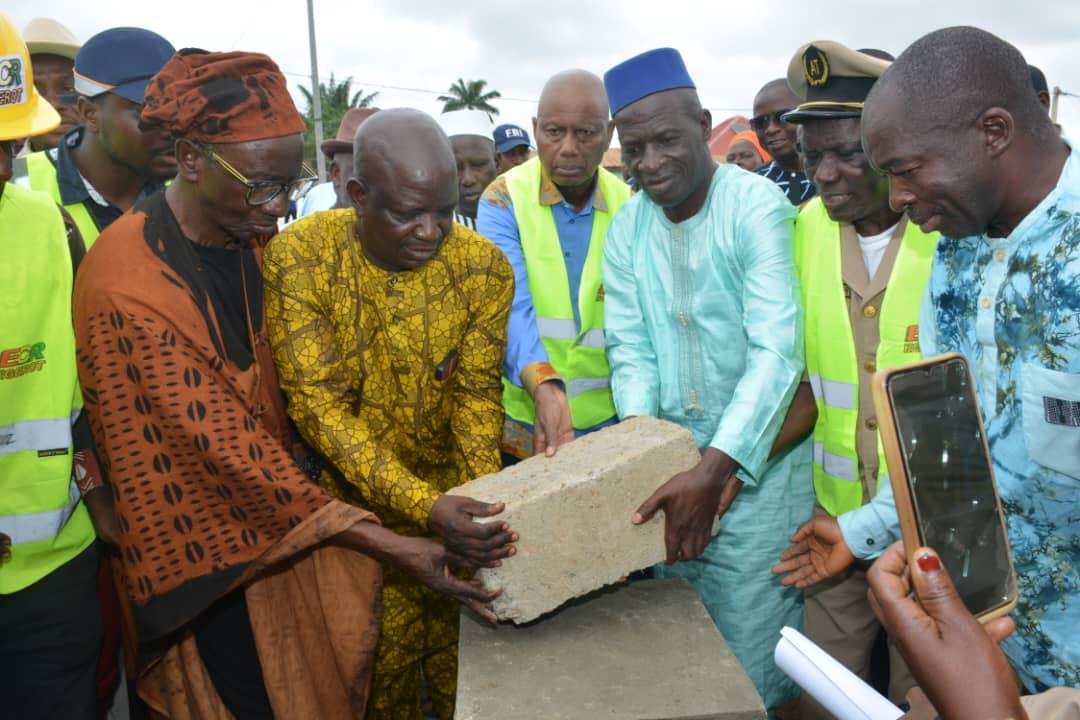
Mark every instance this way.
x=253 y=431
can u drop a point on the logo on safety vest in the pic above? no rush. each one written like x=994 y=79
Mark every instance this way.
x=911 y=339
x=12 y=80
x=600 y=294
x=18 y=361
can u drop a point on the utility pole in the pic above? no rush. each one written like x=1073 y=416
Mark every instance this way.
x=1054 y=103
x=316 y=94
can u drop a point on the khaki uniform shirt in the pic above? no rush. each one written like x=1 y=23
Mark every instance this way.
x=864 y=296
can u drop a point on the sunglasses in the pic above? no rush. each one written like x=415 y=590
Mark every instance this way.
x=261 y=193
x=760 y=122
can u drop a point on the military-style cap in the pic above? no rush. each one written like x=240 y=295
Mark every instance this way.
x=832 y=80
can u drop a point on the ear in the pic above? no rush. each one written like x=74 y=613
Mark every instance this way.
x=335 y=172
x=357 y=191
x=536 y=123
x=706 y=123
x=189 y=160
x=998 y=130
x=89 y=114
x=610 y=134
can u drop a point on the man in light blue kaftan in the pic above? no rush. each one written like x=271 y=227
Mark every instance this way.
x=704 y=329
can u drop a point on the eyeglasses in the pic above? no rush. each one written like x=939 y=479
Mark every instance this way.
x=260 y=193
x=760 y=122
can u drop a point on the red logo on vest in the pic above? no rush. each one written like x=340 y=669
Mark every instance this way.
x=18 y=361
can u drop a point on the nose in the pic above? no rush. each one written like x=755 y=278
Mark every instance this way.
x=825 y=172
x=569 y=146
x=650 y=159
x=427 y=229
x=900 y=197
x=279 y=206
x=468 y=178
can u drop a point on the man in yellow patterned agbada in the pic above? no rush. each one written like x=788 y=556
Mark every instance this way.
x=388 y=325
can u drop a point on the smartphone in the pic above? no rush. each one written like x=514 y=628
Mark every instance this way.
x=943 y=479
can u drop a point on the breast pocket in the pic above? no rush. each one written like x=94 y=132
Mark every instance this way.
x=1051 y=404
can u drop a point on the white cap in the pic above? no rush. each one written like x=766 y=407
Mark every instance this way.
x=466 y=122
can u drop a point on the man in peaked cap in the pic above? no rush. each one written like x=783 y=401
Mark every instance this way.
x=511 y=147
x=474 y=152
x=704 y=329
x=339 y=152
x=53 y=49
x=104 y=166
x=863 y=269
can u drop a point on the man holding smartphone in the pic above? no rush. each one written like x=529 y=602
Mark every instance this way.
x=862 y=270
x=970 y=152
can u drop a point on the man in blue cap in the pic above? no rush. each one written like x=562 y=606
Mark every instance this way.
x=104 y=166
x=704 y=329
x=511 y=147
x=549 y=216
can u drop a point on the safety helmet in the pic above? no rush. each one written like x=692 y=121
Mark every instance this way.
x=23 y=112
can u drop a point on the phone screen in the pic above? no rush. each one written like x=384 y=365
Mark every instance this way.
x=956 y=504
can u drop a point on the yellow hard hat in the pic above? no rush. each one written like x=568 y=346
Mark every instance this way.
x=23 y=112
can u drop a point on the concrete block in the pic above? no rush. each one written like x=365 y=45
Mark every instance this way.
x=643 y=651
x=573 y=513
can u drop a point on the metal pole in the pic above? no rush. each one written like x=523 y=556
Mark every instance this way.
x=1054 y=103
x=316 y=94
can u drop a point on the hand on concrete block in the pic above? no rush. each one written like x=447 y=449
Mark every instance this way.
x=691 y=502
x=474 y=545
x=573 y=512
x=553 y=427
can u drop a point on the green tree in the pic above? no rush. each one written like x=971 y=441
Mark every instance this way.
x=470 y=95
x=336 y=98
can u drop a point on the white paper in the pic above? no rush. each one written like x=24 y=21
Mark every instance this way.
x=840 y=691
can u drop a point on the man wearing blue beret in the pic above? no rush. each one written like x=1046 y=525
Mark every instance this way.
x=704 y=328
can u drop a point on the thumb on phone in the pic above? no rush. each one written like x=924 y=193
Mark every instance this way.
x=933 y=586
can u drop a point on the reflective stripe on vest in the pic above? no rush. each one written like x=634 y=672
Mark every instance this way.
x=577 y=354
x=42 y=173
x=36 y=435
x=831 y=360
x=38 y=526
x=39 y=393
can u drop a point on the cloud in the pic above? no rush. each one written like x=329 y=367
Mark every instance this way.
x=426 y=45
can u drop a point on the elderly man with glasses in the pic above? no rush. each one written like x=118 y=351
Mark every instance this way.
x=255 y=592
x=771 y=103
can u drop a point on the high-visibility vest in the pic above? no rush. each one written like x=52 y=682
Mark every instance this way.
x=831 y=360
x=42 y=173
x=39 y=393
x=576 y=353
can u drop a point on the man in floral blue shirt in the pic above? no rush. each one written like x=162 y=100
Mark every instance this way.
x=970 y=152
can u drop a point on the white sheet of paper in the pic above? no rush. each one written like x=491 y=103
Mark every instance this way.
x=842 y=692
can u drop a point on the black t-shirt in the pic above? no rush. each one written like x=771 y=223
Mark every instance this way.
x=222 y=274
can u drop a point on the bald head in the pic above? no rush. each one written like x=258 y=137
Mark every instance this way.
x=576 y=90
x=572 y=131
x=947 y=78
x=403 y=140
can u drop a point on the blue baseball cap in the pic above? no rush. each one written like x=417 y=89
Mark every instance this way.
x=120 y=61
x=508 y=137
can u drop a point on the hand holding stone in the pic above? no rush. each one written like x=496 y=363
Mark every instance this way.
x=475 y=544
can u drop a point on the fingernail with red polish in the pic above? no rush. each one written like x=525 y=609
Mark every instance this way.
x=929 y=563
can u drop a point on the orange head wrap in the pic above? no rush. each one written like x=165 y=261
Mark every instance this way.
x=751 y=137
x=221 y=98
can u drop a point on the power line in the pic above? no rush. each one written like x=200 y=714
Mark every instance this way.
x=531 y=101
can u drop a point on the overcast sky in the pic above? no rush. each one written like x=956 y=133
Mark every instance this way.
x=424 y=45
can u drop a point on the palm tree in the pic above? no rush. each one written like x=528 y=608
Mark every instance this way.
x=470 y=95
x=336 y=98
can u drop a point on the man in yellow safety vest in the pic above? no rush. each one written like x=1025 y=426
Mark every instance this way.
x=49 y=617
x=863 y=270
x=549 y=216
